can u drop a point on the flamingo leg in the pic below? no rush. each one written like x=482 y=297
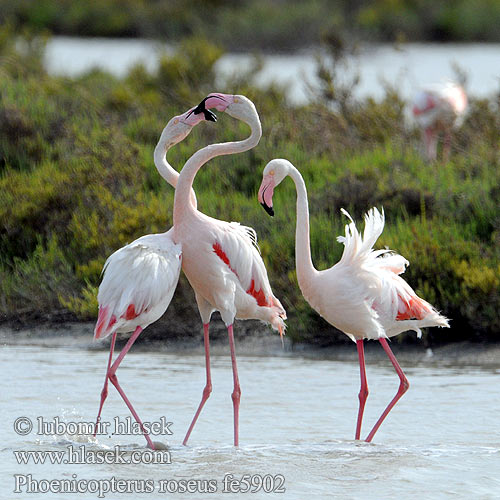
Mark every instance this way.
x=363 y=391
x=403 y=387
x=430 y=141
x=446 y=146
x=104 y=392
x=235 y=396
x=114 y=380
x=208 y=386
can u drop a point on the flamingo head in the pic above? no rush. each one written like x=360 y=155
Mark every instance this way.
x=274 y=172
x=237 y=106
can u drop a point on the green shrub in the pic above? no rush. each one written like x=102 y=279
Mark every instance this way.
x=77 y=182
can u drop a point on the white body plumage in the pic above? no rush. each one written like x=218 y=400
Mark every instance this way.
x=138 y=284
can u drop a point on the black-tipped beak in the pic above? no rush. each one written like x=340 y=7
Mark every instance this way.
x=209 y=115
x=269 y=210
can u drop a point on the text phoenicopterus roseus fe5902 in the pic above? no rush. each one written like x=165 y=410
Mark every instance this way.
x=140 y=278
x=363 y=294
x=438 y=109
x=221 y=259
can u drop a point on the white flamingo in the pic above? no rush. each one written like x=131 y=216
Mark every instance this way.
x=363 y=294
x=140 y=278
x=220 y=259
x=439 y=109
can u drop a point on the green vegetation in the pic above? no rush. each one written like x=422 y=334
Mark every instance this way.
x=261 y=24
x=77 y=181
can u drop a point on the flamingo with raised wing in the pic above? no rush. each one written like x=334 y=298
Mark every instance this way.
x=221 y=260
x=363 y=294
x=439 y=108
x=139 y=279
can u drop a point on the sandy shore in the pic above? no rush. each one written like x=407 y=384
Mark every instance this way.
x=262 y=343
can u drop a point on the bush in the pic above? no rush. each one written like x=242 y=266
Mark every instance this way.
x=78 y=181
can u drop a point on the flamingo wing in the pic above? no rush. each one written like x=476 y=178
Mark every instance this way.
x=378 y=272
x=237 y=247
x=138 y=283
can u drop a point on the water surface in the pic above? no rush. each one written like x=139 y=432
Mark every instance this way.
x=407 y=67
x=298 y=415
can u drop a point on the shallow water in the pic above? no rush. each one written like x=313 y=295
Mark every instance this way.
x=442 y=440
x=407 y=67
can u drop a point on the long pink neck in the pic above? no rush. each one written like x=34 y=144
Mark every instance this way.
x=185 y=182
x=164 y=168
x=303 y=261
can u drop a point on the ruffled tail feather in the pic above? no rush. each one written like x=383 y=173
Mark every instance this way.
x=359 y=247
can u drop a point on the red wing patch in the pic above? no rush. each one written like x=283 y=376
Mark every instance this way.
x=100 y=321
x=430 y=103
x=413 y=309
x=130 y=313
x=259 y=295
x=100 y=327
x=222 y=255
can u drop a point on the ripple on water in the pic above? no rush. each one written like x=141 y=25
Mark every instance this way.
x=441 y=441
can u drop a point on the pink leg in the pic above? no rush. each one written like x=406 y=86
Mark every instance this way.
x=363 y=392
x=446 y=146
x=430 y=141
x=403 y=387
x=236 y=391
x=104 y=392
x=114 y=380
x=208 y=386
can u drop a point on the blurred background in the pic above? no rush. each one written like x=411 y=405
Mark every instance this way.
x=87 y=87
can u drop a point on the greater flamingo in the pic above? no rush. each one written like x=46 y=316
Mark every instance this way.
x=438 y=109
x=140 y=278
x=221 y=259
x=363 y=294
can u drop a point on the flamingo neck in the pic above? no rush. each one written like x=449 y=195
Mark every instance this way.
x=303 y=261
x=164 y=168
x=185 y=182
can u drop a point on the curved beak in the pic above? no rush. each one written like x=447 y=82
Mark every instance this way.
x=265 y=195
x=210 y=115
x=269 y=210
x=218 y=101
x=207 y=114
x=194 y=116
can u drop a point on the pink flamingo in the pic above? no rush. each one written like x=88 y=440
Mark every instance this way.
x=140 y=278
x=220 y=259
x=438 y=109
x=363 y=294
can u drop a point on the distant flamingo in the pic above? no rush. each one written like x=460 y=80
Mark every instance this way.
x=140 y=278
x=438 y=109
x=362 y=294
x=221 y=259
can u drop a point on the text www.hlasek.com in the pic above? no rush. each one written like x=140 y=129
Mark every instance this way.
x=82 y=455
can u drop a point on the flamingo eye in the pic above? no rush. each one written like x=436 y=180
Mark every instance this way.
x=235 y=99
x=271 y=172
x=176 y=121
